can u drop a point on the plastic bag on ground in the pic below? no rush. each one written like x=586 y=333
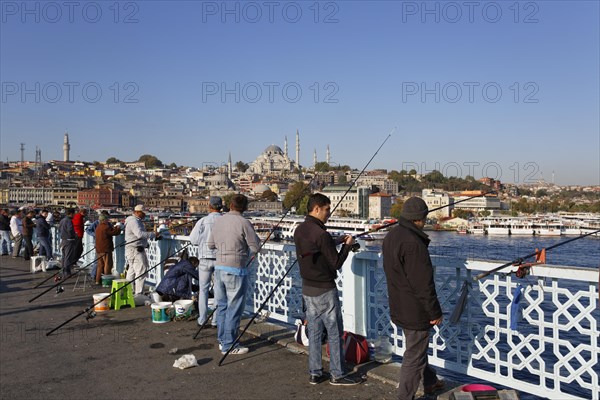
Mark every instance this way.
x=186 y=361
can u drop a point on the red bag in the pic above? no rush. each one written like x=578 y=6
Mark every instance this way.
x=355 y=347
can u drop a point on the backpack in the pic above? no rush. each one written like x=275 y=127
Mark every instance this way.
x=355 y=347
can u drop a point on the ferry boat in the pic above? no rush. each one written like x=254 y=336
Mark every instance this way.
x=547 y=228
x=476 y=228
x=521 y=226
x=497 y=226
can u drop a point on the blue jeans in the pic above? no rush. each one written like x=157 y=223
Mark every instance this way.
x=205 y=272
x=325 y=311
x=5 y=240
x=230 y=294
x=45 y=247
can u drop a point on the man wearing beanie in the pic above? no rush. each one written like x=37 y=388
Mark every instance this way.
x=414 y=305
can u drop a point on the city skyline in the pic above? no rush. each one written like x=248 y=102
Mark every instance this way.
x=506 y=90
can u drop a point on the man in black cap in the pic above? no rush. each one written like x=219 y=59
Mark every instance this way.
x=206 y=256
x=414 y=305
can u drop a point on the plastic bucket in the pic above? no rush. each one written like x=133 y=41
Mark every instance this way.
x=103 y=305
x=161 y=312
x=107 y=280
x=183 y=308
x=476 y=387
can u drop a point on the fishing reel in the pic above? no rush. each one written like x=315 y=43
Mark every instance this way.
x=355 y=247
x=91 y=314
x=59 y=289
x=57 y=278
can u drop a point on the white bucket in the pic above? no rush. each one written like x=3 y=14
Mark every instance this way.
x=162 y=312
x=183 y=308
x=103 y=305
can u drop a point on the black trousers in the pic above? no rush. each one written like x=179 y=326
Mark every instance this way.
x=415 y=364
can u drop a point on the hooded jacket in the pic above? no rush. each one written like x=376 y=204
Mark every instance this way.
x=409 y=274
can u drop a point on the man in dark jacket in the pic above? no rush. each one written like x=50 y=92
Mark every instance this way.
x=177 y=282
x=319 y=262
x=412 y=297
x=42 y=231
x=68 y=242
x=28 y=226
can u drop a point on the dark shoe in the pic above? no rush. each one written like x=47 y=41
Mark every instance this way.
x=345 y=381
x=438 y=385
x=316 y=379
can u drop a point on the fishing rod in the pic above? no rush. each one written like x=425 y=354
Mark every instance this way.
x=430 y=211
x=361 y=172
x=462 y=300
x=74 y=273
x=300 y=197
x=90 y=263
x=89 y=310
x=264 y=303
x=60 y=281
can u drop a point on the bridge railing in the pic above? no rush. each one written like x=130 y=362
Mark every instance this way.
x=554 y=352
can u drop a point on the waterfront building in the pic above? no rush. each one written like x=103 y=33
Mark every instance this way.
x=355 y=203
x=99 y=197
x=380 y=205
x=488 y=202
x=435 y=198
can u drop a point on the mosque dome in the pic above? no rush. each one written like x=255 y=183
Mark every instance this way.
x=274 y=149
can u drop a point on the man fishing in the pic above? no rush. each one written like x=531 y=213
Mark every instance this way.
x=319 y=262
x=413 y=301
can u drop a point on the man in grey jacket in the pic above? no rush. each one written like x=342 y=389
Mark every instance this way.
x=234 y=238
x=206 y=256
x=136 y=238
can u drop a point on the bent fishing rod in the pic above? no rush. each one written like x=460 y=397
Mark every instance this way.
x=300 y=197
x=89 y=310
x=430 y=211
x=462 y=300
x=74 y=273
x=264 y=303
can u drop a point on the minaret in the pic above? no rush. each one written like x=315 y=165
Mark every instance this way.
x=315 y=158
x=285 y=148
x=328 y=155
x=229 y=167
x=298 y=149
x=66 y=147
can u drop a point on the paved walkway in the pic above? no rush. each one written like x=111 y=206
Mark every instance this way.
x=123 y=355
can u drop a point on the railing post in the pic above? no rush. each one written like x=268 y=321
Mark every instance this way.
x=354 y=294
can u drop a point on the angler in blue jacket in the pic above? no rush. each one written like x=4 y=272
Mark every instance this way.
x=177 y=283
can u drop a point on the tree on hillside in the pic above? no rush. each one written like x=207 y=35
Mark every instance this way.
x=113 y=160
x=397 y=208
x=296 y=194
x=268 y=195
x=150 y=161
x=227 y=199
x=241 y=166
x=322 y=166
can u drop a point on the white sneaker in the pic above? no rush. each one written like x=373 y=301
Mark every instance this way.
x=237 y=350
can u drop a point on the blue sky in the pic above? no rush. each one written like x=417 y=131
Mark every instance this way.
x=502 y=89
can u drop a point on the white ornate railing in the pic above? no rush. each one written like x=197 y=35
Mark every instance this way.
x=555 y=353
